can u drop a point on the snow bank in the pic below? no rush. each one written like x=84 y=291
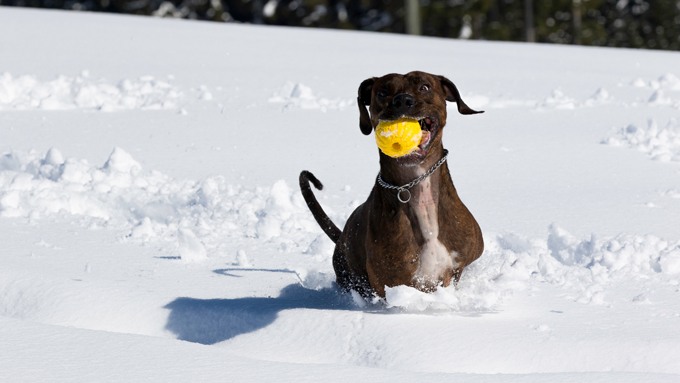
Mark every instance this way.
x=194 y=217
x=585 y=269
x=659 y=144
x=27 y=92
x=301 y=96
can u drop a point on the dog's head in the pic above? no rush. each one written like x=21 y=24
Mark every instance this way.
x=417 y=95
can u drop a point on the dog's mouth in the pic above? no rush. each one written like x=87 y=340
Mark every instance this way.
x=429 y=126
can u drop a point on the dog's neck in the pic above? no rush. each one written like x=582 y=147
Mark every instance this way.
x=427 y=191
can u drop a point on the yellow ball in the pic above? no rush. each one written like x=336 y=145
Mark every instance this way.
x=399 y=137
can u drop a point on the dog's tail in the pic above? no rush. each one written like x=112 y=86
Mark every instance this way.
x=322 y=219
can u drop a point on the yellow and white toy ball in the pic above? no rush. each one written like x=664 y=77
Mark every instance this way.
x=399 y=137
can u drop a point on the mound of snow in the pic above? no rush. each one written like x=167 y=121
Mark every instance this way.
x=659 y=144
x=670 y=81
x=190 y=248
x=558 y=100
x=659 y=98
x=194 y=217
x=242 y=259
x=301 y=96
x=585 y=269
x=601 y=96
x=27 y=92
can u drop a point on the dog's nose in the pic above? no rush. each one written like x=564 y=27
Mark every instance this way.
x=403 y=102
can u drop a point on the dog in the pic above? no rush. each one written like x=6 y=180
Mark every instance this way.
x=420 y=235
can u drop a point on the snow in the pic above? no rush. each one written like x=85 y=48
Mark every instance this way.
x=659 y=144
x=301 y=96
x=167 y=239
x=26 y=92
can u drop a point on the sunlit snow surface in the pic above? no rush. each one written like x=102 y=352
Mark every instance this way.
x=168 y=240
x=63 y=93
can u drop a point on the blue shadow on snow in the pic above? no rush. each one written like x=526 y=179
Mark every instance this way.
x=226 y=271
x=209 y=321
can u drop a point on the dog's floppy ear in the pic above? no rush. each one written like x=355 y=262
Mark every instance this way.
x=364 y=100
x=452 y=95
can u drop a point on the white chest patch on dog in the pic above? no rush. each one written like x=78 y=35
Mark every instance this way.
x=434 y=259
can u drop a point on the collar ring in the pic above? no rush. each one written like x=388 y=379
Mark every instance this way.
x=408 y=197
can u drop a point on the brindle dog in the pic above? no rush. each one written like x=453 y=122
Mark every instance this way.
x=425 y=242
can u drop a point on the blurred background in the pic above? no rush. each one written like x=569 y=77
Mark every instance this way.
x=653 y=24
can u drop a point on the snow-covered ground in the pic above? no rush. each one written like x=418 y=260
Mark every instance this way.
x=151 y=227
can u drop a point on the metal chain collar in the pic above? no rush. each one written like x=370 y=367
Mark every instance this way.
x=405 y=188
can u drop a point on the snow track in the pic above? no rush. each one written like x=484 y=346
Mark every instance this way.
x=195 y=219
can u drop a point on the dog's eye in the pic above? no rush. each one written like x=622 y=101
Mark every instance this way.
x=382 y=93
x=424 y=88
